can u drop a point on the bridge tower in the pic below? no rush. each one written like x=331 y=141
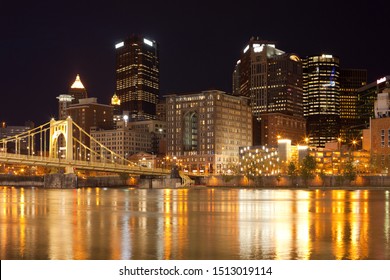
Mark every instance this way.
x=57 y=129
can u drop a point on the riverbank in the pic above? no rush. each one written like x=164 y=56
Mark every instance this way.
x=221 y=181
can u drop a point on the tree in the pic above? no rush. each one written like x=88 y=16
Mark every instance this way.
x=323 y=177
x=349 y=172
x=308 y=168
x=292 y=171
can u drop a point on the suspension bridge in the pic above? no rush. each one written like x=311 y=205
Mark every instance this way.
x=64 y=144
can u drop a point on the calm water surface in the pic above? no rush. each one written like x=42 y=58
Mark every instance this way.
x=98 y=223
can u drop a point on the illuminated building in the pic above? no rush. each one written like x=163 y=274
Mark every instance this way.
x=161 y=109
x=128 y=138
x=379 y=133
x=89 y=113
x=64 y=100
x=137 y=76
x=116 y=104
x=321 y=98
x=275 y=125
x=272 y=80
x=76 y=92
x=350 y=81
x=206 y=129
x=156 y=130
x=367 y=95
x=259 y=161
x=23 y=146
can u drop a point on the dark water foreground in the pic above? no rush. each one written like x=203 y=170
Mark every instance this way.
x=191 y=224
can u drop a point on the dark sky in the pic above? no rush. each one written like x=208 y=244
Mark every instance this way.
x=44 y=44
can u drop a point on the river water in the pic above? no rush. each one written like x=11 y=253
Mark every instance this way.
x=194 y=224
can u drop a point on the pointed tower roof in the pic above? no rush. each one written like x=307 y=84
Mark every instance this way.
x=77 y=83
x=115 y=100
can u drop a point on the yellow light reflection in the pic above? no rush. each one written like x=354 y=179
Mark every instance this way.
x=350 y=222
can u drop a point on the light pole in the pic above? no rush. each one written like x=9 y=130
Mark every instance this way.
x=354 y=142
x=307 y=141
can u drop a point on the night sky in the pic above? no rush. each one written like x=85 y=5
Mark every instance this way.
x=43 y=45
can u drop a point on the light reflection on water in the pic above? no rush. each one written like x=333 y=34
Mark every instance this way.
x=101 y=223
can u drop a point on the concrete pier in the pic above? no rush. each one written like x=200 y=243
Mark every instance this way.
x=159 y=183
x=60 y=181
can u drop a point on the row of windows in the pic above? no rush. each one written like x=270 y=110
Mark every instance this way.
x=121 y=146
x=383 y=138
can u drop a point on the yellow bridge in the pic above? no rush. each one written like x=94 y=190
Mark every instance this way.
x=64 y=144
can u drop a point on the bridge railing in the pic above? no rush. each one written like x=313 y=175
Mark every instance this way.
x=43 y=147
x=78 y=164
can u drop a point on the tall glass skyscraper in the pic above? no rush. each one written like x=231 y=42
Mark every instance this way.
x=272 y=80
x=321 y=98
x=350 y=81
x=137 y=76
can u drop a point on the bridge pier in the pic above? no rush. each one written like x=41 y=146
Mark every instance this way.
x=158 y=182
x=60 y=181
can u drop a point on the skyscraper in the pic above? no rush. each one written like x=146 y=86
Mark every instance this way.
x=206 y=129
x=272 y=80
x=367 y=95
x=137 y=76
x=321 y=96
x=350 y=81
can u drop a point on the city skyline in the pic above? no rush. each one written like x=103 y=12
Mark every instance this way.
x=44 y=46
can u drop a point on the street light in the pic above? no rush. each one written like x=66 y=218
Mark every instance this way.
x=354 y=142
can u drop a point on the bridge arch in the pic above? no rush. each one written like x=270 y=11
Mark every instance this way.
x=61 y=131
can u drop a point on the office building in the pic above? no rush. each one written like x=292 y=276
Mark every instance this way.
x=86 y=114
x=129 y=138
x=367 y=95
x=161 y=109
x=137 y=76
x=206 y=129
x=23 y=146
x=377 y=136
x=156 y=129
x=350 y=81
x=321 y=98
x=272 y=80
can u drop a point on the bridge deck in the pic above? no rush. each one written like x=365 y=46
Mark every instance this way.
x=83 y=165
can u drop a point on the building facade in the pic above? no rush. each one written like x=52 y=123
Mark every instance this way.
x=23 y=146
x=162 y=109
x=380 y=144
x=367 y=95
x=137 y=76
x=206 y=129
x=321 y=98
x=277 y=125
x=350 y=81
x=379 y=133
x=272 y=80
x=86 y=114
x=129 y=138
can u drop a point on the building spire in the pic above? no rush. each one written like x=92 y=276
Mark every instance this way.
x=77 y=83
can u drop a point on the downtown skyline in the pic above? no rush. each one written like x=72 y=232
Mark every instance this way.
x=44 y=47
